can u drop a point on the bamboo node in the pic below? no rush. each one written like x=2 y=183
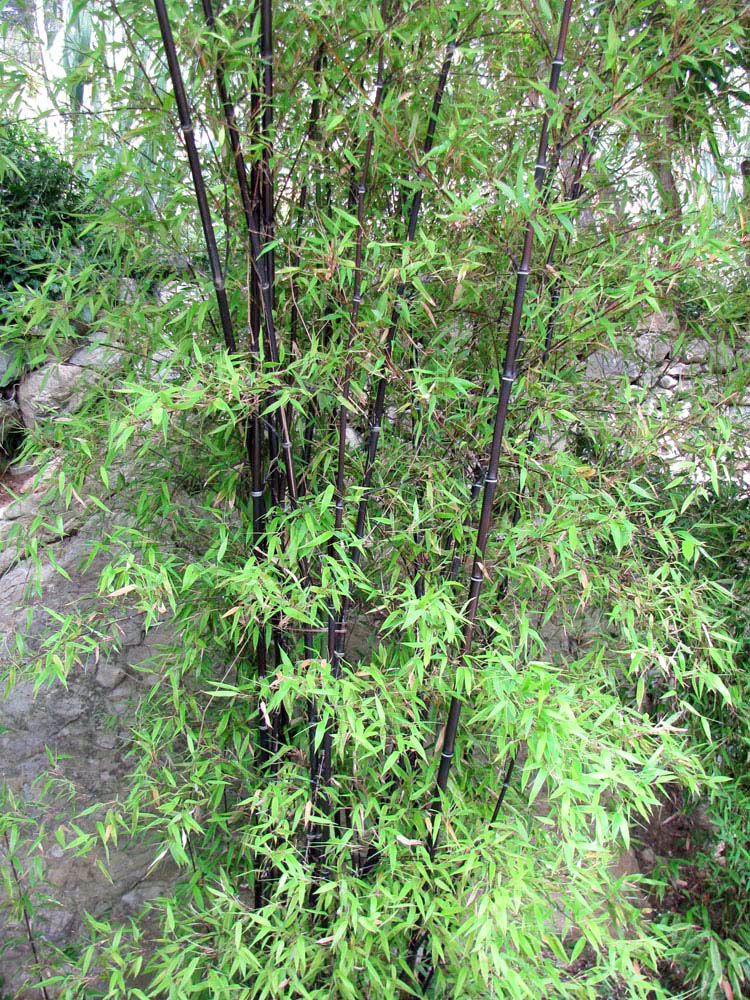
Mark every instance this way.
x=523 y=273
x=557 y=62
x=256 y=493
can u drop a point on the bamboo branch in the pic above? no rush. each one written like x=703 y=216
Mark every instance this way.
x=320 y=768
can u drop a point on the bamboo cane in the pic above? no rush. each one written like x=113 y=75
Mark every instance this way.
x=490 y=483
x=338 y=636
x=337 y=640
x=188 y=135
x=320 y=765
x=378 y=408
x=508 y=377
x=574 y=194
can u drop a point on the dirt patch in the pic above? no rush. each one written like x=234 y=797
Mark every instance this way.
x=13 y=484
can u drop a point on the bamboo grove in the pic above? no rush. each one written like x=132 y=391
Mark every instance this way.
x=398 y=741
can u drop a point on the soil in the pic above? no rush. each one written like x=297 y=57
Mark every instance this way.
x=675 y=833
x=12 y=484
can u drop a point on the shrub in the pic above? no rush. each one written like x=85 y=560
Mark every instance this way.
x=40 y=203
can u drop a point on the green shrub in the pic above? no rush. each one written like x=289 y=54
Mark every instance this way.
x=40 y=202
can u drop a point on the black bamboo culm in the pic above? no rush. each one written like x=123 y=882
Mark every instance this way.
x=188 y=135
x=504 y=787
x=378 y=407
x=506 y=384
x=408 y=760
x=338 y=638
x=270 y=731
x=576 y=190
x=320 y=765
x=255 y=438
x=338 y=497
x=574 y=193
x=267 y=199
x=311 y=137
x=490 y=483
x=276 y=436
x=262 y=268
x=261 y=263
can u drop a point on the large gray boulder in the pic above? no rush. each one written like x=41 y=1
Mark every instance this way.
x=60 y=387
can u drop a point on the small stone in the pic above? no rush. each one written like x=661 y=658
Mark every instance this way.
x=109 y=675
x=667 y=382
x=648 y=857
x=353 y=439
x=127 y=291
x=9 y=415
x=652 y=348
x=607 y=364
x=695 y=353
x=172 y=291
x=68 y=707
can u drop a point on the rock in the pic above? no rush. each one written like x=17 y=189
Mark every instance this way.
x=60 y=387
x=52 y=388
x=171 y=290
x=127 y=291
x=8 y=368
x=16 y=515
x=652 y=348
x=56 y=924
x=143 y=893
x=668 y=382
x=607 y=364
x=353 y=439
x=67 y=706
x=648 y=858
x=678 y=369
x=10 y=421
x=696 y=352
x=9 y=412
x=71 y=730
x=109 y=675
